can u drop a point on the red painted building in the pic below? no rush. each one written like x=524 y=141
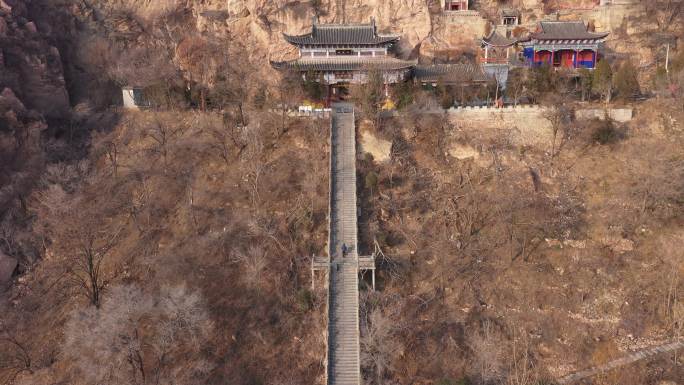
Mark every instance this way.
x=455 y=5
x=565 y=44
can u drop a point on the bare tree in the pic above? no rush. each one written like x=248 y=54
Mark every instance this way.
x=673 y=256
x=223 y=144
x=83 y=233
x=369 y=96
x=142 y=67
x=253 y=261
x=660 y=187
x=199 y=58
x=521 y=366
x=252 y=162
x=15 y=357
x=378 y=343
x=664 y=12
x=162 y=133
x=136 y=338
x=515 y=87
x=487 y=354
x=559 y=114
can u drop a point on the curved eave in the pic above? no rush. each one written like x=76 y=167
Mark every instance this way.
x=307 y=39
x=489 y=43
x=295 y=39
x=326 y=65
x=591 y=36
x=498 y=40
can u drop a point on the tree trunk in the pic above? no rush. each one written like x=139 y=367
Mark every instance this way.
x=203 y=100
x=242 y=115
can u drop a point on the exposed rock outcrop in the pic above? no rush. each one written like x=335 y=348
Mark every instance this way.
x=7 y=266
x=379 y=148
x=32 y=92
x=30 y=66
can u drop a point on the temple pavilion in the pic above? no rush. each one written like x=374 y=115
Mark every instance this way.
x=338 y=54
x=455 y=5
x=567 y=44
x=498 y=47
x=498 y=53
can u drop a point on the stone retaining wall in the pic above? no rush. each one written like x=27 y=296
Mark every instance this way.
x=621 y=115
x=521 y=125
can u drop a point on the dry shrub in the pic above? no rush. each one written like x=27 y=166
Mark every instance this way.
x=604 y=132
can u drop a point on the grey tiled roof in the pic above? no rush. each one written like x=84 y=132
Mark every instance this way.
x=344 y=64
x=562 y=30
x=510 y=12
x=342 y=34
x=497 y=39
x=451 y=73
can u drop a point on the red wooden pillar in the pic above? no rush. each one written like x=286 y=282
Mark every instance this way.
x=553 y=57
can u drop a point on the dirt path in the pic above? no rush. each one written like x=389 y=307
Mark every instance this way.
x=629 y=359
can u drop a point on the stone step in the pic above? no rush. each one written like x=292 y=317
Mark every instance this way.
x=343 y=328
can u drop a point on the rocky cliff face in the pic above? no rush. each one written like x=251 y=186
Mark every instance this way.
x=424 y=27
x=261 y=25
x=32 y=92
x=254 y=27
x=29 y=65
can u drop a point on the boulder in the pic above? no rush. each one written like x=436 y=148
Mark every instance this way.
x=618 y=244
x=31 y=27
x=577 y=244
x=7 y=266
x=9 y=101
x=3 y=27
x=4 y=7
x=243 y=13
x=379 y=148
x=463 y=152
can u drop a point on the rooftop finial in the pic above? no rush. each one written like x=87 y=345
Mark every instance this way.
x=373 y=22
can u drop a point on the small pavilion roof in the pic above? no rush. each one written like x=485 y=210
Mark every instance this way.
x=498 y=39
x=510 y=12
x=565 y=30
x=352 y=63
x=451 y=73
x=342 y=34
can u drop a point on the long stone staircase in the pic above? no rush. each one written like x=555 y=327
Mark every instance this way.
x=343 y=296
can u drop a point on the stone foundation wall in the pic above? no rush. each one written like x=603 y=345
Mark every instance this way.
x=621 y=115
x=522 y=125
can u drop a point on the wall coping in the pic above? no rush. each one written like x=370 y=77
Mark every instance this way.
x=528 y=107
